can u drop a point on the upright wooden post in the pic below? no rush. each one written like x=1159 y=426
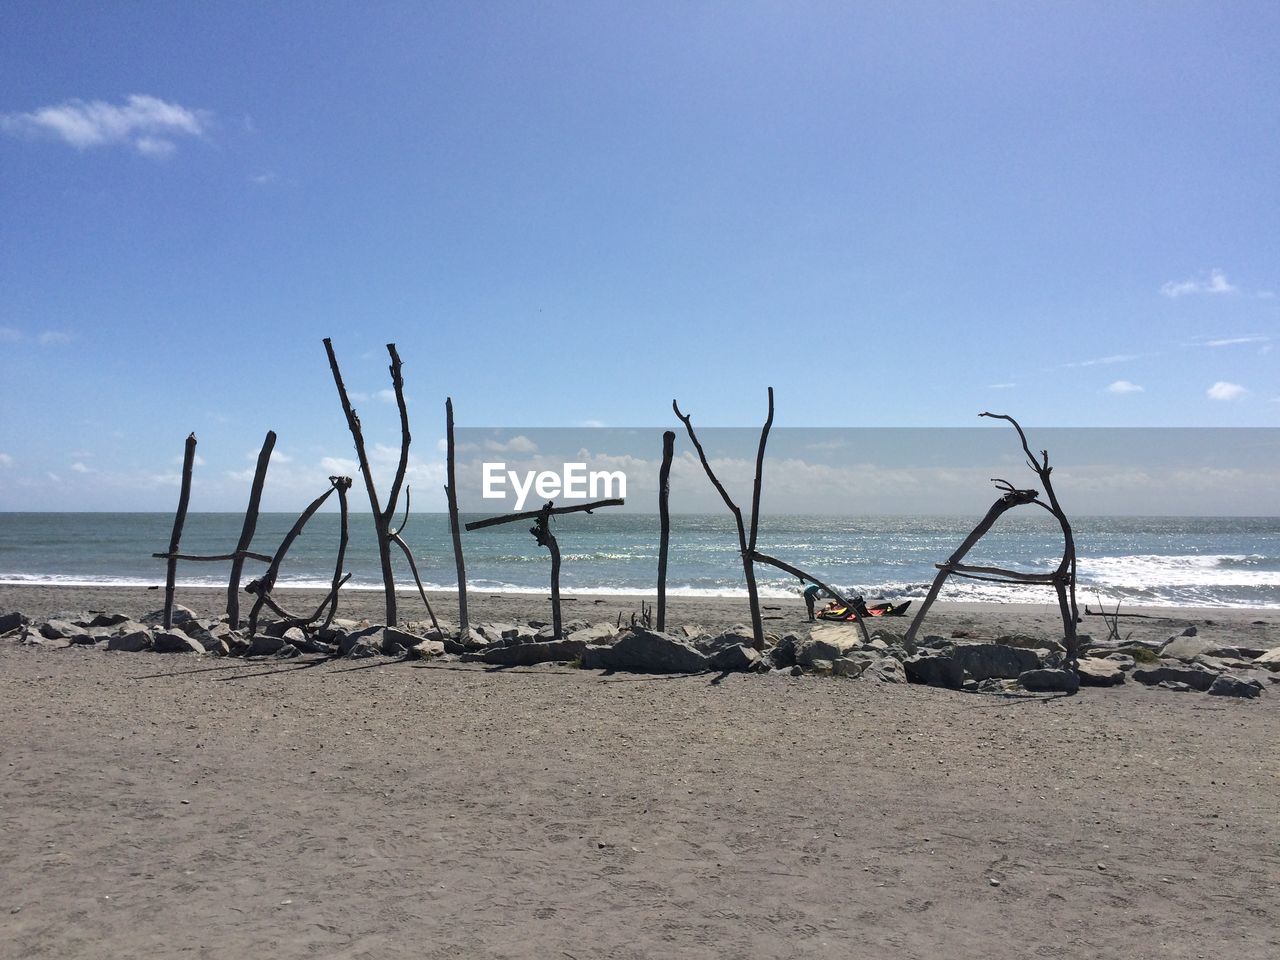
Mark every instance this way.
x=664 y=523
x=451 y=490
x=541 y=531
x=179 y=519
x=246 y=532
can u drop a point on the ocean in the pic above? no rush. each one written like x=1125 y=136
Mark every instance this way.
x=1181 y=561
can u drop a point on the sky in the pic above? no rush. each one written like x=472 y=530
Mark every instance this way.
x=567 y=214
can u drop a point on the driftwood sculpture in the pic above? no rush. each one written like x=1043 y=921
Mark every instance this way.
x=455 y=530
x=664 y=523
x=1062 y=578
x=746 y=542
x=241 y=553
x=541 y=531
x=384 y=513
x=263 y=586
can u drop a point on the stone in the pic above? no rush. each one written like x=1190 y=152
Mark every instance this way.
x=1099 y=672
x=1025 y=641
x=828 y=641
x=427 y=649
x=844 y=667
x=1188 y=648
x=367 y=639
x=200 y=630
x=885 y=670
x=181 y=614
x=1270 y=659
x=1049 y=681
x=783 y=653
x=641 y=650
x=934 y=670
x=265 y=645
x=821 y=666
x=738 y=658
x=1227 y=685
x=174 y=642
x=984 y=661
x=397 y=642
x=711 y=645
x=104 y=620
x=528 y=654
x=9 y=622
x=58 y=630
x=1173 y=671
x=472 y=639
x=134 y=642
x=599 y=633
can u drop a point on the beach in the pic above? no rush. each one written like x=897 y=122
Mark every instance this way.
x=221 y=808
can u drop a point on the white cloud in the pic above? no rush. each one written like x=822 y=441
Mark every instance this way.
x=146 y=123
x=6 y=460
x=262 y=179
x=1216 y=282
x=1103 y=361
x=1232 y=341
x=1124 y=386
x=1222 y=390
x=53 y=338
x=1001 y=386
x=517 y=444
x=79 y=467
x=386 y=396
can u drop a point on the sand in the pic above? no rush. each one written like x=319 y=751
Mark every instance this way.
x=185 y=806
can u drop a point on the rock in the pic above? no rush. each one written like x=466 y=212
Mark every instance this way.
x=9 y=622
x=1049 y=681
x=820 y=666
x=935 y=670
x=1188 y=648
x=641 y=650
x=265 y=645
x=1270 y=659
x=1025 y=641
x=1097 y=672
x=1228 y=685
x=783 y=653
x=86 y=639
x=723 y=641
x=1172 y=671
x=472 y=639
x=828 y=641
x=181 y=614
x=885 y=670
x=844 y=667
x=104 y=620
x=494 y=633
x=1189 y=632
x=427 y=649
x=174 y=642
x=599 y=633
x=201 y=630
x=134 y=642
x=397 y=642
x=984 y=661
x=527 y=654
x=58 y=630
x=368 y=640
x=738 y=658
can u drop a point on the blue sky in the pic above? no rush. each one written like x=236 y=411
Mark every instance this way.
x=570 y=213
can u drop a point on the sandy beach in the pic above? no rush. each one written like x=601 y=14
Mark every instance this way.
x=184 y=805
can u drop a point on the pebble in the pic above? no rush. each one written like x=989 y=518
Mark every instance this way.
x=994 y=882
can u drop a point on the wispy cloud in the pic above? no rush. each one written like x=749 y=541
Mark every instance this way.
x=79 y=467
x=1232 y=341
x=1124 y=386
x=1215 y=282
x=517 y=444
x=6 y=460
x=53 y=338
x=264 y=178
x=1103 y=361
x=145 y=123
x=1223 y=390
x=1001 y=386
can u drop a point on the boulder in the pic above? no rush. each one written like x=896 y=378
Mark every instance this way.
x=9 y=622
x=202 y=631
x=641 y=650
x=828 y=641
x=599 y=633
x=1188 y=648
x=397 y=642
x=527 y=654
x=723 y=641
x=783 y=653
x=1270 y=659
x=1173 y=671
x=367 y=640
x=265 y=645
x=934 y=670
x=181 y=614
x=427 y=649
x=134 y=642
x=845 y=667
x=985 y=661
x=885 y=670
x=1049 y=681
x=1099 y=672
x=174 y=642
x=1228 y=685
x=738 y=658
x=106 y=620
x=1025 y=641
x=59 y=630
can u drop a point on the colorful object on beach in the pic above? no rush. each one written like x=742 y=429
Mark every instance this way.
x=850 y=614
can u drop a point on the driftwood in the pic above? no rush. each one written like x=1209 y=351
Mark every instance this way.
x=263 y=586
x=664 y=523
x=803 y=575
x=455 y=529
x=1062 y=578
x=541 y=531
x=383 y=514
x=179 y=520
x=413 y=564
x=247 y=531
x=746 y=542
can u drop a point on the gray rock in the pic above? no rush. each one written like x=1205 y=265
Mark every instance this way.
x=641 y=650
x=738 y=658
x=821 y=666
x=397 y=642
x=134 y=642
x=59 y=630
x=722 y=641
x=201 y=631
x=367 y=639
x=1050 y=681
x=174 y=642
x=885 y=670
x=845 y=667
x=1188 y=648
x=10 y=622
x=599 y=633
x=1270 y=659
x=783 y=653
x=985 y=661
x=528 y=654
x=1173 y=671
x=427 y=649
x=1098 y=672
x=106 y=620
x=1228 y=685
x=181 y=614
x=1025 y=641
x=828 y=641
x=935 y=670
x=265 y=645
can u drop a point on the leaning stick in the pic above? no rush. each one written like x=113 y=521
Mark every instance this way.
x=664 y=521
x=534 y=514
x=451 y=491
x=246 y=532
x=179 y=519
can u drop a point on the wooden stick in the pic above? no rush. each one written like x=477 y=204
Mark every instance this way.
x=342 y=485
x=451 y=491
x=179 y=520
x=246 y=532
x=266 y=583
x=541 y=531
x=804 y=575
x=248 y=554
x=534 y=514
x=664 y=523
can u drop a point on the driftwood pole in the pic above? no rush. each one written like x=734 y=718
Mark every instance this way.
x=541 y=531
x=179 y=519
x=451 y=491
x=664 y=522
x=746 y=544
x=246 y=532
x=382 y=514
